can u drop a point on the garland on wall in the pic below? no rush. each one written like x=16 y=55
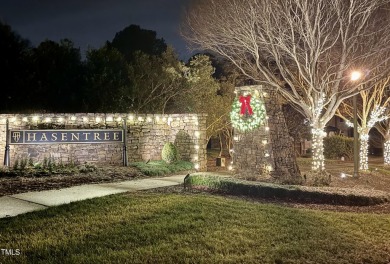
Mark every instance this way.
x=248 y=112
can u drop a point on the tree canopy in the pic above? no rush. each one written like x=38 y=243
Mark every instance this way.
x=304 y=49
x=133 y=38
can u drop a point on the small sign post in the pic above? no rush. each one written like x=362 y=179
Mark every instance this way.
x=125 y=160
x=6 y=154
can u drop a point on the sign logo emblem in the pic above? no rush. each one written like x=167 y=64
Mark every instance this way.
x=16 y=136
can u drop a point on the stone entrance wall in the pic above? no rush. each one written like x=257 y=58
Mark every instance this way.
x=267 y=151
x=146 y=136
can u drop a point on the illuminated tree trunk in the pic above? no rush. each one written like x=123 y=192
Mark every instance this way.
x=364 y=150
x=318 y=134
x=386 y=150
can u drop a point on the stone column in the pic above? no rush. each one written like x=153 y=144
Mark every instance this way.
x=267 y=151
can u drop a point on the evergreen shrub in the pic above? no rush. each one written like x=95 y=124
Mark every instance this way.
x=336 y=147
x=169 y=153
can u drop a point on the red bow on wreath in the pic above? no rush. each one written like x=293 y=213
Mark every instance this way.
x=246 y=105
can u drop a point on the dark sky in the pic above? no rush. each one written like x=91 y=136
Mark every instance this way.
x=89 y=23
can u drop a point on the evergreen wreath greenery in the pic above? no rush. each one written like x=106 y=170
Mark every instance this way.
x=246 y=122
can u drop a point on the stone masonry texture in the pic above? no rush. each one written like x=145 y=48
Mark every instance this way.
x=267 y=150
x=146 y=136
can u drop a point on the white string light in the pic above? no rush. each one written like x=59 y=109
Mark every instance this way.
x=364 y=151
x=386 y=153
x=318 y=162
x=98 y=119
x=377 y=115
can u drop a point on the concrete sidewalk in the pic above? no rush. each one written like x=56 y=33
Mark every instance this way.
x=12 y=205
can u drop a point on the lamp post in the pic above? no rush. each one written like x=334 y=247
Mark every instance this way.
x=354 y=77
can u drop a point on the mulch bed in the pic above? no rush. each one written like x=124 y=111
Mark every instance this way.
x=14 y=185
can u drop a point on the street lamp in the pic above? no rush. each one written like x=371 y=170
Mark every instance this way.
x=356 y=75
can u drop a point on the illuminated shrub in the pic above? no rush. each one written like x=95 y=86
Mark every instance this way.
x=169 y=153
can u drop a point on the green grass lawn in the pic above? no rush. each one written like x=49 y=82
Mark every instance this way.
x=160 y=167
x=193 y=228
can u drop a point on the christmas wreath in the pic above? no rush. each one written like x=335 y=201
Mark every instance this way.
x=247 y=113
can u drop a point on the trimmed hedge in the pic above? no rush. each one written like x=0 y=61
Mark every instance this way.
x=286 y=193
x=336 y=147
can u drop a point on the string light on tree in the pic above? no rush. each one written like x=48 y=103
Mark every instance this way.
x=386 y=153
x=318 y=163
x=376 y=115
x=364 y=151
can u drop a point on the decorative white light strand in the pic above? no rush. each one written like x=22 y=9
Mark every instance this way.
x=319 y=107
x=196 y=138
x=386 y=152
x=364 y=151
x=377 y=115
x=318 y=162
x=349 y=123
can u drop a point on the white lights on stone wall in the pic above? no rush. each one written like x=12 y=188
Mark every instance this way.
x=154 y=127
x=196 y=145
x=260 y=153
x=99 y=119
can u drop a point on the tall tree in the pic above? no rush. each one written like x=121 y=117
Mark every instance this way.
x=58 y=76
x=155 y=81
x=14 y=75
x=304 y=49
x=133 y=38
x=373 y=105
x=107 y=81
x=384 y=130
x=205 y=94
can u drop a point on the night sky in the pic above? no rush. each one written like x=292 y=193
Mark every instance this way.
x=90 y=23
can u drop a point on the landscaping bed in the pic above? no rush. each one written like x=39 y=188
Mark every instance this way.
x=291 y=193
x=33 y=179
